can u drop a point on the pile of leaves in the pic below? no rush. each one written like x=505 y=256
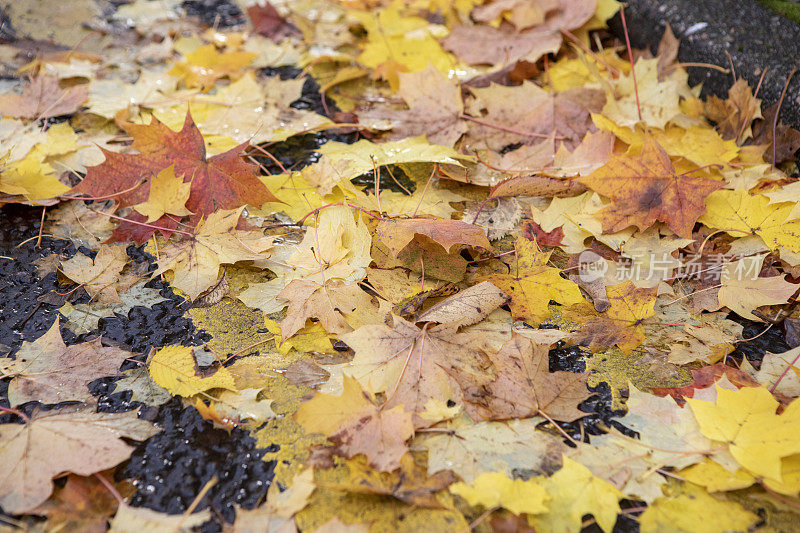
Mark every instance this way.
x=394 y=219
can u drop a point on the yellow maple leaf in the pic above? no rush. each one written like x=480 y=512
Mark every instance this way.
x=168 y=195
x=695 y=511
x=716 y=478
x=574 y=491
x=396 y=43
x=205 y=65
x=341 y=161
x=175 y=369
x=654 y=104
x=495 y=489
x=358 y=424
x=532 y=284
x=740 y=213
x=745 y=420
x=196 y=260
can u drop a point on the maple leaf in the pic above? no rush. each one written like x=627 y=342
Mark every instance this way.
x=525 y=387
x=196 y=260
x=574 y=491
x=648 y=99
x=662 y=424
x=735 y=115
x=509 y=446
x=82 y=504
x=740 y=213
x=396 y=234
x=413 y=365
x=620 y=323
x=645 y=189
x=328 y=302
x=341 y=161
x=268 y=22
x=168 y=195
x=205 y=65
x=174 y=368
x=484 y=45
x=88 y=442
x=742 y=294
x=496 y=489
x=467 y=307
x=357 y=424
x=697 y=511
x=224 y=181
x=533 y=284
x=434 y=109
x=137 y=519
x=99 y=276
x=43 y=98
x=747 y=422
x=48 y=371
x=410 y=483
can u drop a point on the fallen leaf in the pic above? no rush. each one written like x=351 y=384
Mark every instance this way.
x=137 y=519
x=495 y=489
x=413 y=365
x=434 y=109
x=746 y=420
x=396 y=234
x=358 y=425
x=646 y=188
x=512 y=446
x=88 y=442
x=223 y=181
x=467 y=307
x=196 y=260
x=532 y=284
x=42 y=97
x=410 y=483
x=48 y=371
x=168 y=195
x=174 y=368
x=696 y=511
x=574 y=491
x=525 y=387
x=100 y=275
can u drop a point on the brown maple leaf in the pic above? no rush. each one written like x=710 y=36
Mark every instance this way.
x=224 y=181
x=734 y=116
x=71 y=439
x=620 y=322
x=327 y=302
x=396 y=234
x=83 y=504
x=413 y=365
x=434 y=108
x=525 y=387
x=268 y=22
x=645 y=189
x=43 y=98
x=49 y=371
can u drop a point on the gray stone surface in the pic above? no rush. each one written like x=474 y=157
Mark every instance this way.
x=755 y=37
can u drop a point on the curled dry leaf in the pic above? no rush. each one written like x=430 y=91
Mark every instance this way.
x=467 y=307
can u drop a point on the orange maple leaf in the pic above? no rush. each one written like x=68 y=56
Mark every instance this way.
x=224 y=181
x=645 y=189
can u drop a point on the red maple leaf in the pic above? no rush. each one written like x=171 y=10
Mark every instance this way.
x=224 y=181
